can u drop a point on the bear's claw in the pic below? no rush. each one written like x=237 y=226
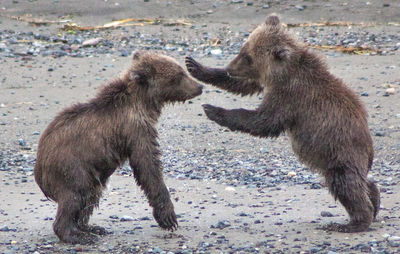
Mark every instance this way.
x=195 y=69
x=166 y=218
x=213 y=113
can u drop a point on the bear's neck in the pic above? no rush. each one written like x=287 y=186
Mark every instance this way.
x=120 y=96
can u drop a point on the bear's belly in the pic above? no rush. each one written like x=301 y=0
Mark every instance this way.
x=308 y=153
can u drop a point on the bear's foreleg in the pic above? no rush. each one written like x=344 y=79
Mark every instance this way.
x=148 y=174
x=221 y=78
x=243 y=120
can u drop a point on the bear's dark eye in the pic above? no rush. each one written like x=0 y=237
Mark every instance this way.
x=177 y=78
x=247 y=58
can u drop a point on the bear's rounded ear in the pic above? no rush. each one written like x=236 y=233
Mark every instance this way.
x=136 y=55
x=139 y=78
x=272 y=20
x=143 y=75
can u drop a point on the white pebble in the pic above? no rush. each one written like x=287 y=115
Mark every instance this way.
x=391 y=90
x=216 y=52
x=91 y=42
x=126 y=218
x=394 y=238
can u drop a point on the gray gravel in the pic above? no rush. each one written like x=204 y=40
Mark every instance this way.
x=14 y=44
x=233 y=193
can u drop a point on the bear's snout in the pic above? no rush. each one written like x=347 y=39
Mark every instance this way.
x=200 y=89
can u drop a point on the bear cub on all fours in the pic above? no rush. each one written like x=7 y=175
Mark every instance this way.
x=85 y=143
x=325 y=120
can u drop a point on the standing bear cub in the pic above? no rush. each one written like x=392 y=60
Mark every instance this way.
x=325 y=120
x=85 y=143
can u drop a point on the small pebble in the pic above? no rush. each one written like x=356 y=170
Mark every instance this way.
x=145 y=218
x=229 y=188
x=326 y=214
x=126 y=218
x=216 y=52
x=91 y=42
x=222 y=224
x=390 y=91
x=394 y=238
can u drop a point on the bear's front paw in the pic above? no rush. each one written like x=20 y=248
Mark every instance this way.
x=194 y=68
x=166 y=217
x=215 y=114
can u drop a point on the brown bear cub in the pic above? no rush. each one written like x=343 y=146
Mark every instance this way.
x=85 y=143
x=325 y=120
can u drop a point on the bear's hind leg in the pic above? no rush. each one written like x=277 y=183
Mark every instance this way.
x=374 y=196
x=65 y=225
x=84 y=215
x=352 y=190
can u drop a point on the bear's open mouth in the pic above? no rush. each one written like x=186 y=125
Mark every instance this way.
x=191 y=96
x=233 y=76
x=240 y=78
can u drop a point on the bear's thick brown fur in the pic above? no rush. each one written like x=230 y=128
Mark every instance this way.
x=325 y=120
x=85 y=143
